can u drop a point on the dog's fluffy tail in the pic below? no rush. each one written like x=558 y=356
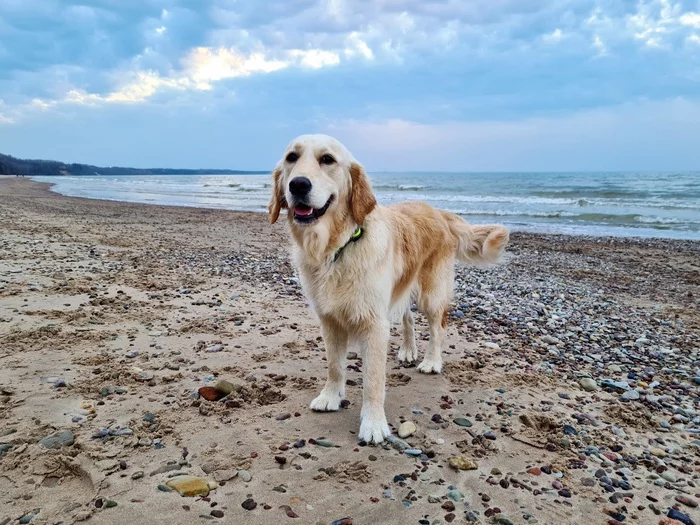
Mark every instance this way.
x=478 y=243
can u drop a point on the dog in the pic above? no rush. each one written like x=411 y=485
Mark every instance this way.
x=361 y=265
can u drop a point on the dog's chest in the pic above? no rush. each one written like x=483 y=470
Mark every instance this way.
x=344 y=295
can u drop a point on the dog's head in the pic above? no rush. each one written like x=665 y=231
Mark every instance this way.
x=320 y=183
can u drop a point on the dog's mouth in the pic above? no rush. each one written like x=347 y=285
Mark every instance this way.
x=305 y=214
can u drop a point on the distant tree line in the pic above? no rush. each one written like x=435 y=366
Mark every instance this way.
x=13 y=166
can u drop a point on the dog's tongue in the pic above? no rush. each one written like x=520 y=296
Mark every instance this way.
x=303 y=211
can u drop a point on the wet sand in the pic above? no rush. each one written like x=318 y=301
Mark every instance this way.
x=572 y=371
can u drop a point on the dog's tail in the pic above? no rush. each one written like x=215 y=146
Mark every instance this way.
x=478 y=243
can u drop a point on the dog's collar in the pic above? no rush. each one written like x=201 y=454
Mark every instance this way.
x=353 y=238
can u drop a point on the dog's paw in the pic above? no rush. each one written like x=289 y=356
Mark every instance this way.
x=428 y=366
x=327 y=402
x=407 y=355
x=374 y=430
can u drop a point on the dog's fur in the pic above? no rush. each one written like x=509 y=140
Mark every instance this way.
x=407 y=252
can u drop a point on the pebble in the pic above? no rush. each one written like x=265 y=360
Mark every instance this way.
x=398 y=444
x=588 y=384
x=657 y=452
x=189 y=485
x=462 y=463
x=668 y=476
x=214 y=348
x=630 y=395
x=27 y=518
x=5 y=448
x=249 y=504
x=455 y=495
x=406 y=429
x=137 y=475
x=677 y=515
x=217 y=513
x=463 y=422
x=413 y=452
x=687 y=501
x=58 y=440
x=226 y=387
x=343 y=521
x=244 y=475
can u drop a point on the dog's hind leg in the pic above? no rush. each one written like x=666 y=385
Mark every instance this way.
x=434 y=300
x=336 y=339
x=408 y=352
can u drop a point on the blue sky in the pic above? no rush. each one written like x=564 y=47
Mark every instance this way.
x=406 y=84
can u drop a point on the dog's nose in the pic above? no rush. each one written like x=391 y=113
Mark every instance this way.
x=299 y=186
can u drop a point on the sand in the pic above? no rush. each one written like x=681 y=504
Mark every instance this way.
x=114 y=315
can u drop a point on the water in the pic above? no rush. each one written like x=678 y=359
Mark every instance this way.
x=622 y=204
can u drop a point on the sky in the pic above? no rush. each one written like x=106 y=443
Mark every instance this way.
x=407 y=85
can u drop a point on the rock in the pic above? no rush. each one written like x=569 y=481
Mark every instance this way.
x=58 y=440
x=630 y=395
x=677 y=515
x=406 y=429
x=283 y=417
x=588 y=384
x=668 y=476
x=491 y=346
x=217 y=513
x=137 y=475
x=189 y=485
x=27 y=518
x=687 y=501
x=454 y=495
x=226 y=387
x=462 y=463
x=398 y=444
x=215 y=348
x=343 y=521
x=244 y=475
x=502 y=520
x=165 y=468
x=5 y=448
x=249 y=504
x=210 y=393
x=413 y=452
x=657 y=452
x=462 y=422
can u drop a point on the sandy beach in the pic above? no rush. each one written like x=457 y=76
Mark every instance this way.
x=571 y=385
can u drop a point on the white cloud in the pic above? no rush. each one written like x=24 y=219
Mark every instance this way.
x=354 y=45
x=691 y=19
x=599 y=46
x=555 y=36
x=694 y=38
x=315 y=58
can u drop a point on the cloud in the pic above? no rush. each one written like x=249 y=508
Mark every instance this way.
x=296 y=64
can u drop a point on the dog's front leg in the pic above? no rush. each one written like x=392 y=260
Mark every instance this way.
x=336 y=339
x=373 y=425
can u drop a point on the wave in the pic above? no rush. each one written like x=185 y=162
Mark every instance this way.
x=401 y=187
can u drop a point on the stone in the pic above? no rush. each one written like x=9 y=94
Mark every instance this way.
x=189 y=485
x=249 y=504
x=27 y=518
x=226 y=387
x=413 y=452
x=217 y=513
x=406 y=429
x=462 y=463
x=137 y=475
x=58 y=440
x=588 y=384
x=454 y=495
x=687 y=501
x=244 y=475
x=463 y=422
x=668 y=476
x=657 y=452
x=210 y=393
x=215 y=348
x=630 y=395
x=677 y=515
x=4 y=448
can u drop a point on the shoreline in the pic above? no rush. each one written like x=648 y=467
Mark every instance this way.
x=531 y=230
x=570 y=381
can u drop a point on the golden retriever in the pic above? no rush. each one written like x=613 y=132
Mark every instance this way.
x=362 y=264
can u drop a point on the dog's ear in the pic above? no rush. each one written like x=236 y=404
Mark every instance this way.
x=277 y=201
x=362 y=200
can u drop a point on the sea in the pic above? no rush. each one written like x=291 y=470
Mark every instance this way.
x=658 y=204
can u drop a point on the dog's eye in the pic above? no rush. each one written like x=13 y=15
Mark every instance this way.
x=326 y=159
x=292 y=157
